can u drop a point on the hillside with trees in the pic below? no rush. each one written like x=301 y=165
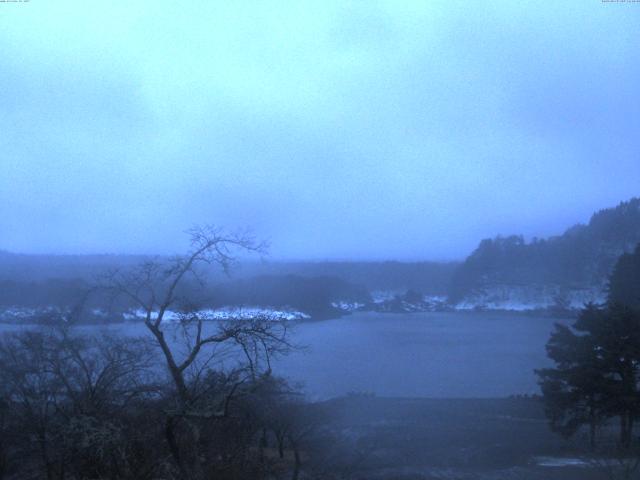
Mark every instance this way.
x=572 y=267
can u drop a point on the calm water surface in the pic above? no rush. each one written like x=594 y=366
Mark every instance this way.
x=461 y=354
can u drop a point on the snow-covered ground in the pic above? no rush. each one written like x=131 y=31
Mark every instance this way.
x=15 y=314
x=28 y=314
x=407 y=301
x=381 y=296
x=560 y=462
x=532 y=297
x=515 y=298
x=226 y=313
x=348 y=306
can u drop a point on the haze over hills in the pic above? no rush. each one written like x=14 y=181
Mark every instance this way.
x=316 y=289
x=428 y=277
x=509 y=273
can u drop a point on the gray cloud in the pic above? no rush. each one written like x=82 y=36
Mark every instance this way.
x=336 y=130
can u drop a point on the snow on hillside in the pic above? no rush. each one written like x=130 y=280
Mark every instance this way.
x=531 y=297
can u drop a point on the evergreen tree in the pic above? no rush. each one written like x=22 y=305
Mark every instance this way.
x=624 y=283
x=576 y=391
x=597 y=359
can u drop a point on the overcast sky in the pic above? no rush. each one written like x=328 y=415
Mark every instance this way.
x=368 y=130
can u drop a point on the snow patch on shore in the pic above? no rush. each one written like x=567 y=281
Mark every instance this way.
x=560 y=462
x=15 y=314
x=224 y=313
x=348 y=306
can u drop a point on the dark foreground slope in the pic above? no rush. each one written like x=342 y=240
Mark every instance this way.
x=424 y=439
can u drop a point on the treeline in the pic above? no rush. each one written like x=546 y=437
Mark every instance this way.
x=583 y=256
x=38 y=268
x=61 y=293
x=427 y=277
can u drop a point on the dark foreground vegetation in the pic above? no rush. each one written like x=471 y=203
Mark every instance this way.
x=77 y=407
x=428 y=439
x=92 y=408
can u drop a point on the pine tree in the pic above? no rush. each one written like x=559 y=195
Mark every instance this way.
x=597 y=359
x=576 y=392
x=624 y=283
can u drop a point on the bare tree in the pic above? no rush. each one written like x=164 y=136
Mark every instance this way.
x=175 y=287
x=66 y=395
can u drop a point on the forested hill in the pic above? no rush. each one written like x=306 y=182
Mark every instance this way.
x=580 y=260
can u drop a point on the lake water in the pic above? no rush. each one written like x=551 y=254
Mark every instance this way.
x=456 y=354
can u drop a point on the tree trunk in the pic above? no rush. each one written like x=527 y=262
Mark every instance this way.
x=197 y=470
x=173 y=444
x=174 y=371
x=625 y=430
x=297 y=460
x=4 y=461
x=280 y=439
x=262 y=444
x=45 y=457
